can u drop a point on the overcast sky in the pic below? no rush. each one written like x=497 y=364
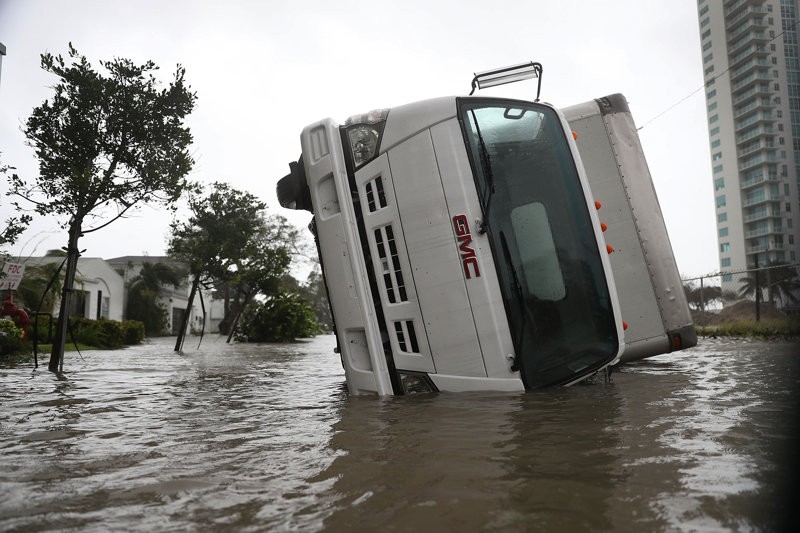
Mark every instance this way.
x=263 y=70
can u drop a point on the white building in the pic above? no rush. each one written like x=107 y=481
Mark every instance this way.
x=751 y=62
x=174 y=300
x=99 y=290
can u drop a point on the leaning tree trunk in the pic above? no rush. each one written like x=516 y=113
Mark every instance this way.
x=185 y=322
x=236 y=318
x=60 y=339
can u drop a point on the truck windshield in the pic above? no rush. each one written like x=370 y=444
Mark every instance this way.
x=540 y=231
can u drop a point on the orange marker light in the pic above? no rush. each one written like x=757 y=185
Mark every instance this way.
x=624 y=326
x=609 y=249
x=575 y=135
x=603 y=226
x=597 y=205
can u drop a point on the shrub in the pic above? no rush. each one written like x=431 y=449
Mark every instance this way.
x=105 y=333
x=775 y=328
x=132 y=332
x=11 y=342
x=282 y=318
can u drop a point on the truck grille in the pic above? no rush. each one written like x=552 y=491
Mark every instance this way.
x=390 y=263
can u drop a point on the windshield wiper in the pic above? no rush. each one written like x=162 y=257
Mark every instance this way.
x=519 y=334
x=486 y=165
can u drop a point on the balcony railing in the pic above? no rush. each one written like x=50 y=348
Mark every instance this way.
x=767 y=197
x=763 y=231
x=764 y=248
x=761 y=215
x=771 y=178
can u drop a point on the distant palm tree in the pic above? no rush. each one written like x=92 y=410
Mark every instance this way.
x=780 y=281
x=31 y=290
x=143 y=292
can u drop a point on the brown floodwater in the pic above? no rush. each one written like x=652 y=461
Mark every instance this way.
x=266 y=437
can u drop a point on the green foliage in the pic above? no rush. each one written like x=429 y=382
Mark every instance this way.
x=104 y=333
x=315 y=293
x=11 y=227
x=218 y=232
x=31 y=290
x=699 y=297
x=766 y=329
x=11 y=342
x=45 y=327
x=132 y=332
x=778 y=279
x=107 y=139
x=282 y=318
x=229 y=242
x=143 y=292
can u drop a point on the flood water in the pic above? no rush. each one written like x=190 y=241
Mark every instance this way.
x=257 y=438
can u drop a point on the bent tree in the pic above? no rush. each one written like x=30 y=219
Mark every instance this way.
x=108 y=140
x=210 y=243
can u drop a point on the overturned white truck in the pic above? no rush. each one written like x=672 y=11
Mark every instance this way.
x=461 y=246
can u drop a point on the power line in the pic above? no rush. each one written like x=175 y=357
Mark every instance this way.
x=676 y=104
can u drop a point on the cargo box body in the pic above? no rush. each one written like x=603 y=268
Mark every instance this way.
x=646 y=275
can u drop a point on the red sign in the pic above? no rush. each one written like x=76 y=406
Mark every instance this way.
x=468 y=258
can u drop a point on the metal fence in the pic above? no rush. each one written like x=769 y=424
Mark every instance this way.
x=766 y=292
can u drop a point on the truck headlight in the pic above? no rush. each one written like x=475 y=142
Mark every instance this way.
x=364 y=136
x=416 y=382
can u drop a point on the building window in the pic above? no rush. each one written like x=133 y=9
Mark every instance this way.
x=788 y=207
x=719 y=183
x=717 y=156
x=709 y=57
x=715 y=144
x=725 y=247
x=704 y=22
x=723 y=232
x=722 y=217
x=725 y=262
x=717 y=168
x=706 y=46
x=709 y=70
x=712 y=106
x=706 y=34
x=713 y=119
x=713 y=131
x=711 y=94
x=727 y=278
x=721 y=200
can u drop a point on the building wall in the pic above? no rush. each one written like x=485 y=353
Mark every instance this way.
x=752 y=86
x=174 y=300
x=101 y=287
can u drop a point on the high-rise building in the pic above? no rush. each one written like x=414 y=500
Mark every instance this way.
x=752 y=85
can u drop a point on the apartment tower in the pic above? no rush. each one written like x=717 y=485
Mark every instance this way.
x=752 y=85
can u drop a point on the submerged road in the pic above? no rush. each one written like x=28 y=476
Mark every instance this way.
x=266 y=437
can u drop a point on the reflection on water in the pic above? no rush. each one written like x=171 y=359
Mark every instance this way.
x=266 y=437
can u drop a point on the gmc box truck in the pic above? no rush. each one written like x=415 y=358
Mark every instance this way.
x=461 y=244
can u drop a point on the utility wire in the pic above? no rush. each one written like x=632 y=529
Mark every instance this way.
x=705 y=84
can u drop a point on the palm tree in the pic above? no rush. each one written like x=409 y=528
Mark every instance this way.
x=779 y=279
x=31 y=290
x=143 y=292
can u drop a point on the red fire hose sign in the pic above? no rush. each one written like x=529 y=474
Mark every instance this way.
x=11 y=276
